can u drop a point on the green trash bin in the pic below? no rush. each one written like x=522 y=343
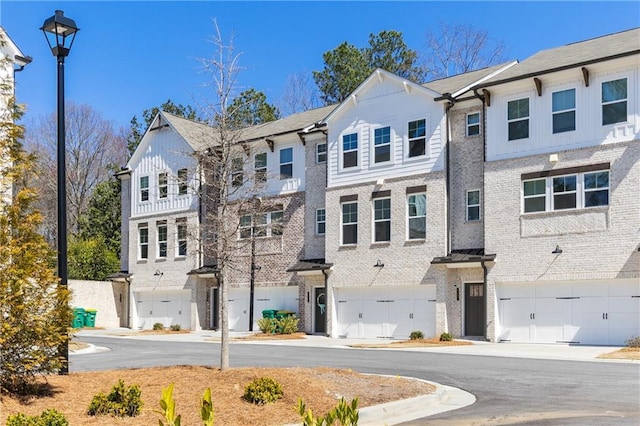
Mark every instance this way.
x=78 y=318
x=269 y=313
x=90 y=317
x=284 y=314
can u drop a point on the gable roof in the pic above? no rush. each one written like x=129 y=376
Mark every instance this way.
x=625 y=43
x=15 y=54
x=460 y=83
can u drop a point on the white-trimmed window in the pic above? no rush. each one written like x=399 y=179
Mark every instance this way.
x=182 y=181
x=267 y=224
x=350 y=150
x=417 y=216
x=161 y=229
x=382 y=220
x=417 y=135
x=163 y=185
x=260 y=167
x=143 y=242
x=473 y=205
x=563 y=106
x=144 y=188
x=321 y=221
x=382 y=145
x=321 y=153
x=349 y=223
x=473 y=124
x=518 y=119
x=570 y=191
x=181 y=237
x=286 y=163
x=237 y=174
x=614 y=101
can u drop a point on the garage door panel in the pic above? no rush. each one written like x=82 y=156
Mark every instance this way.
x=516 y=319
x=552 y=316
x=165 y=307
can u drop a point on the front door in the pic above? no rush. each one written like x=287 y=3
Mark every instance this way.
x=474 y=309
x=319 y=310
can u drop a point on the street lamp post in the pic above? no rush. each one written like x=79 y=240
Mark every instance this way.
x=60 y=33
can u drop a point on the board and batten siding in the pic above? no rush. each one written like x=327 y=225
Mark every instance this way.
x=386 y=104
x=165 y=152
x=589 y=129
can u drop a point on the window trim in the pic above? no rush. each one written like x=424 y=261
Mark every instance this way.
x=319 y=154
x=343 y=223
x=285 y=164
x=320 y=221
x=260 y=173
x=237 y=172
x=144 y=189
x=356 y=150
x=375 y=146
x=161 y=242
x=514 y=120
x=469 y=206
x=423 y=217
x=410 y=139
x=181 y=223
x=143 y=244
x=468 y=125
x=183 y=179
x=621 y=100
x=564 y=111
x=375 y=221
x=268 y=224
x=163 y=185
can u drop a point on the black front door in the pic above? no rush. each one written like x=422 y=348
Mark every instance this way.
x=474 y=309
x=319 y=310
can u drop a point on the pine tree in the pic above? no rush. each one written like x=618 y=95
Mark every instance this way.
x=34 y=310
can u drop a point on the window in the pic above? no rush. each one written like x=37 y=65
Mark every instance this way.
x=349 y=223
x=596 y=189
x=163 y=185
x=143 y=242
x=534 y=195
x=286 y=163
x=614 y=101
x=382 y=143
x=237 y=175
x=144 y=188
x=473 y=205
x=417 y=216
x=182 y=182
x=417 y=138
x=518 y=119
x=350 y=150
x=382 y=219
x=564 y=192
x=321 y=221
x=321 y=153
x=162 y=239
x=268 y=224
x=473 y=124
x=260 y=167
x=570 y=191
x=181 y=237
x=563 y=106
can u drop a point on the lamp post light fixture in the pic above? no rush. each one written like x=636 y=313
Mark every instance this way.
x=60 y=33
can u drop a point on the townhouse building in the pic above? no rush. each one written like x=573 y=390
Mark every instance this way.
x=500 y=204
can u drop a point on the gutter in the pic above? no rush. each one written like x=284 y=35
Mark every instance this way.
x=326 y=296
x=24 y=62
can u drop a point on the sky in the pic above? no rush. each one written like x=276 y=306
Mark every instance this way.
x=133 y=55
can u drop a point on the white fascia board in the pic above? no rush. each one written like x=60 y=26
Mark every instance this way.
x=483 y=79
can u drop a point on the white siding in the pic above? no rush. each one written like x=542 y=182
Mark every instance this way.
x=589 y=129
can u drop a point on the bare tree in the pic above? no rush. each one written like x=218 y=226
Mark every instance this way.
x=92 y=148
x=233 y=178
x=299 y=94
x=459 y=48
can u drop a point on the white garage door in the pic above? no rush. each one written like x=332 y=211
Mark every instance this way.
x=166 y=307
x=278 y=298
x=390 y=312
x=600 y=313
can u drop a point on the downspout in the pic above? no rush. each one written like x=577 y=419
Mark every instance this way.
x=450 y=105
x=128 y=281
x=326 y=297
x=484 y=296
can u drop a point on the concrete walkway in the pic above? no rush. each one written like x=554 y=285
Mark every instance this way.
x=445 y=398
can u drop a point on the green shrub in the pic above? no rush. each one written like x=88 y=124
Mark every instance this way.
x=416 y=335
x=49 y=417
x=267 y=325
x=446 y=337
x=122 y=401
x=175 y=327
x=263 y=391
x=345 y=414
x=158 y=326
x=633 y=342
x=287 y=325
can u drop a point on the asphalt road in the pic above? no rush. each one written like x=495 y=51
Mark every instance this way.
x=508 y=390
